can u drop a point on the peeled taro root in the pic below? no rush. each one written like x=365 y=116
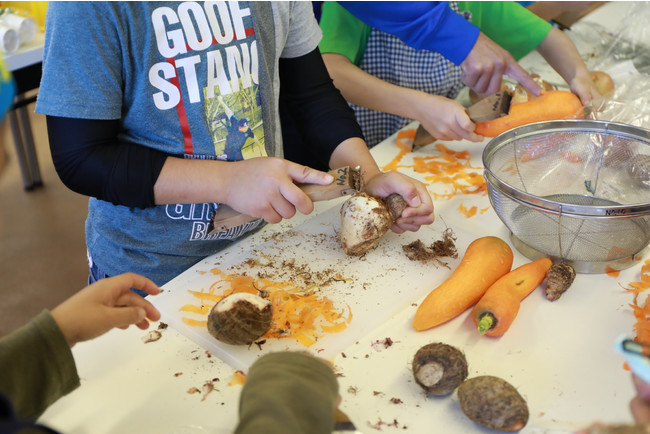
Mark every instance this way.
x=439 y=368
x=494 y=403
x=240 y=318
x=365 y=219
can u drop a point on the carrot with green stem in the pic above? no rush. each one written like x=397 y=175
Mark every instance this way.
x=497 y=309
x=484 y=262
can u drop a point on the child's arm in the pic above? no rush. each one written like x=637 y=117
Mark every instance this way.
x=444 y=118
x=288 y=392
x=36 y=362
x=258 y=187
x=560 y=52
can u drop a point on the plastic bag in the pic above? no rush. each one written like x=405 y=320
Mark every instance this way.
x=625 y=55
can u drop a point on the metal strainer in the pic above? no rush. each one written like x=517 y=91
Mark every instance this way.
x=576 y=190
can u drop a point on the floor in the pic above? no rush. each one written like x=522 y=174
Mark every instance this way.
x=42 y=246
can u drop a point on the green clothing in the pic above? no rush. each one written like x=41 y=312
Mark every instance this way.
x=36 y=366
x=284 y=392
x=288 y=393
x=510 y=25
x=343 y=33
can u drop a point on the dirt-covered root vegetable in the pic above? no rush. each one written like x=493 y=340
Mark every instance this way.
x=493 y=402
x=240 y=318
x=365 y=219
x=439 y=368
x=558 y=279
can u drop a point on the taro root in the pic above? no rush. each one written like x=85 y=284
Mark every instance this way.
x=602 y=81
x=439 y=368
x=365 y=219
x=558 y=279
x=493 y=402
x=240 y=318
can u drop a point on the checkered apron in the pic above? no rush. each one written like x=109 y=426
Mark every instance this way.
x=391 y=60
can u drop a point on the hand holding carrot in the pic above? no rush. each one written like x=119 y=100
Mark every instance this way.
x=487 y=63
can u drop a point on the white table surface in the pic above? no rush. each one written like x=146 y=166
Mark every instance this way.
x=559 y=355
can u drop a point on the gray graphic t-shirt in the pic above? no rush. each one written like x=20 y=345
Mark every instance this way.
x=193 y=79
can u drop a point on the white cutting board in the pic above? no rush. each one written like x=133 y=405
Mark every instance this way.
x=383 y=283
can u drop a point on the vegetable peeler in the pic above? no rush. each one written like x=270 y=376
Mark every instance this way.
x=347 y=181
x=489 y=108
x=637 y=356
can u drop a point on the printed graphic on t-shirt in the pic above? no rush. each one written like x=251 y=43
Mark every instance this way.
x=211 y=59
x=237 y=134
x=210 y=52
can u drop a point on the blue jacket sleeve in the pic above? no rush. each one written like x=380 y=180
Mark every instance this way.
x=428 y=25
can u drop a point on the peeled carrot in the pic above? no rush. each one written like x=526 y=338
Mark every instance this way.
x=484 y=262
x=497 y=309
x=551 y=105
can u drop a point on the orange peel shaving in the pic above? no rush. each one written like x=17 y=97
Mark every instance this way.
x=471 y=212
x=612 y=272
x=297 y=313
x=448 y=167
x=641 y=310
x=238 y=378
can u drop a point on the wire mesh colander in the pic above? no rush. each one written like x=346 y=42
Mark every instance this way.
x=575 y=190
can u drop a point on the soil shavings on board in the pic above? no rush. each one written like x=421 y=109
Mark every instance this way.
x=446 y=247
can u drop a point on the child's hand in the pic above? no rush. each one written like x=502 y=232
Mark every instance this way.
x=104 y=305
x=420 y=209
x=487 y=63
x=266 y=188
x=584 y=87
x=445 y=119
x=640 y=404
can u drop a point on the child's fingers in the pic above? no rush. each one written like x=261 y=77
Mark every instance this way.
x=306 y=175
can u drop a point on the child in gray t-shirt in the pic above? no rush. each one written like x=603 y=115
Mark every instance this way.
x=135 y=95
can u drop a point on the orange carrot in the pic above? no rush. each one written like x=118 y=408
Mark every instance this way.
x=485 y=260
x=551 y=105
x=497 y=309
